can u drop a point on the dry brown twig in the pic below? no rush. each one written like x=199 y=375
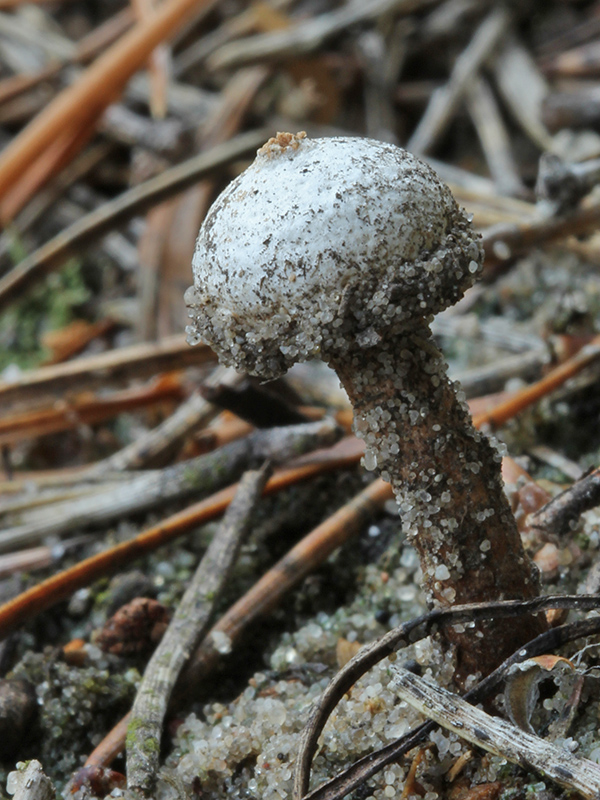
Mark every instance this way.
x=564 y=510
x=444 y=102
x=144 y=490
x=45 y=384
x=302 y=559
x=192 y=414
x=497 y=736
x=87 y=410
x=306 y=36
x=52 y=590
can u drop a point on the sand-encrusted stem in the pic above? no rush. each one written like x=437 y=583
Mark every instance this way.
x=343 y=249
x=446 y=478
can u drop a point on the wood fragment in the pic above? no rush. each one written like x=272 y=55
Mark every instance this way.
x=38 y=557
x=29 y=782
x=152 y=446
x=84 y=409
x=56 y=156
x=46 y=199
x=572 y=36
x=186 y=629
x=254 y=404
x=579 y=62
x=379 y=109
x=17 y=28
x=67 y=342
x=101 y=37
x=494 y=137
x=263 y=597
x=23 y=82
x=304 y=557
x=504 y=242
x=306 y=36
x=102 y=82
x=579 y=108
x=523 y=88
x=561 y=513
x=508 y=409
x=111 y=746
x=410 y=784
x=151 y=253
x=547 y=455
x=159 y=63
x=563 y=184
x=498 y=736
x=480 y=381
x=171 y=138
x=371 y=654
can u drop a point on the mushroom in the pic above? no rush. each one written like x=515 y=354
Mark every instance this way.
x=343 y=249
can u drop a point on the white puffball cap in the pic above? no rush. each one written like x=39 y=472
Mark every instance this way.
x=323 y=245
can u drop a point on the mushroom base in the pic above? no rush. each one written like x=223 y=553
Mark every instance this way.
x=447 y=481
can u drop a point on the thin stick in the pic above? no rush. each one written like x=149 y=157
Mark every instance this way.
x=39 y=557
x=566 y=508
x=111 y=746
x=192 y=414
x=188 y=626
x=504 y=242
x=87 y=410
x=159 y=65
x=307 y=35
x=493 y=136
x=48 y=164
x=146 y=489
x=302 y=559
x=444 y=102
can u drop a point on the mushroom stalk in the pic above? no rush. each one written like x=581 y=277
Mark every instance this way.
x=449 y=489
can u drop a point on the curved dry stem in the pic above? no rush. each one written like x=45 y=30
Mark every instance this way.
x=376 y=651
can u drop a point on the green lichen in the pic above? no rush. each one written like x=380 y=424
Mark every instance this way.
x=150 y=745
x=132 y=731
